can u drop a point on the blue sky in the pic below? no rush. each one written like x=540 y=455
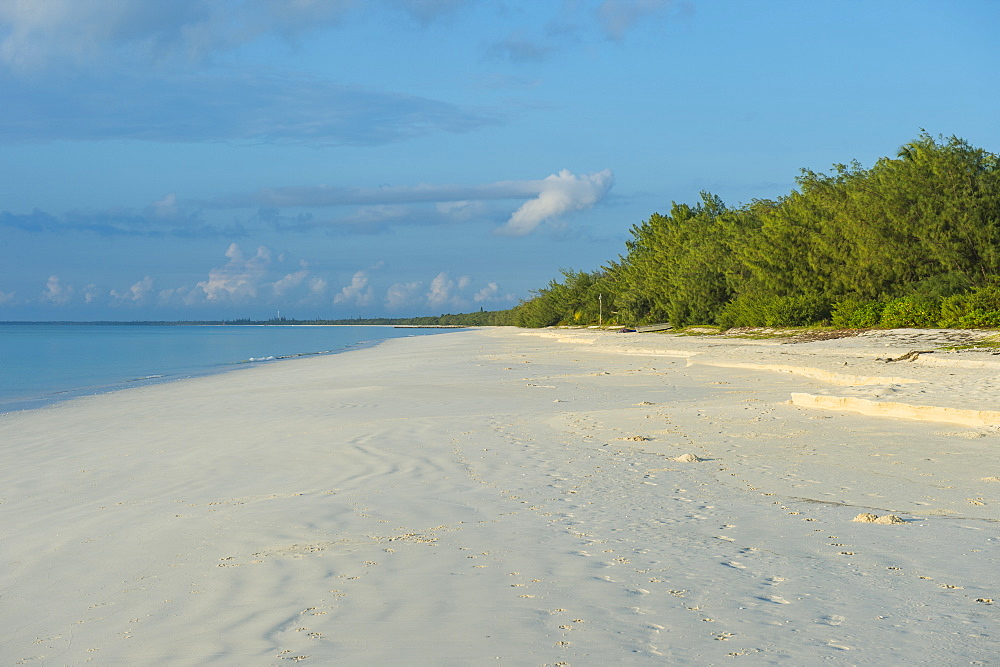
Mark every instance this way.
x=232 y=158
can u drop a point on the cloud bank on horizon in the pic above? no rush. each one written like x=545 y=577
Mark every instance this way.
x=271 y=282
x=202 y=159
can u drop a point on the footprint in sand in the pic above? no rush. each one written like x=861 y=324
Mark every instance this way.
x=777 y=599
x=831 y=620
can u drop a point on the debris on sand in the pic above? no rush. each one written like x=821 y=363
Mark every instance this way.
x=867 y=517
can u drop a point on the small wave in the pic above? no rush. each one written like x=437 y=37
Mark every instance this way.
x=145 y=377
x=296 y=355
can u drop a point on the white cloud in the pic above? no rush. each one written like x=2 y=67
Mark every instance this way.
x=289 y=282
x=488 y=293
x=444 y=291
x=317 y=286
x=559 y=194
x=166 y=207
x=135 y=294
x=57 y=293
x=6 y=297
x=357 y=292
x=91 y=292
x=403 y=294
x=546 y=198
x=42 y=31
x=461 y=211
x=239 y=280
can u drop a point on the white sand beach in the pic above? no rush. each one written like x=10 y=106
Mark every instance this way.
x=514 y=497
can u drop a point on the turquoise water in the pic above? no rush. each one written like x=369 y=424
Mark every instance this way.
x=44 y=363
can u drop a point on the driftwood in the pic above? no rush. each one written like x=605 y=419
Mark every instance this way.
x=910 y=356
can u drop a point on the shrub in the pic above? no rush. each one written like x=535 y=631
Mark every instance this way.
x=980 y=319
x=976 y=308
x=854 y=314
x=909 y=311
x=756 y=310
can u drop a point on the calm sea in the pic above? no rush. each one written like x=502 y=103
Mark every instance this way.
x=44 y=363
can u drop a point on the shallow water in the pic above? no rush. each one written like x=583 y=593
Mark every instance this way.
x=44 y=363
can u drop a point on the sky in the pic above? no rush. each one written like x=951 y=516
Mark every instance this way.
x=219 y=159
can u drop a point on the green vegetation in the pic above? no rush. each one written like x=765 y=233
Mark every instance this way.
x=912 y=242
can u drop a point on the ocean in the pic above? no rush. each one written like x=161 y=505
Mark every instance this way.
x=41 y=364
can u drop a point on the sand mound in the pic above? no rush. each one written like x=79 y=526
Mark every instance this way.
x=991 y=479
x=687 y=458
x=815 y=374
x=899 y=410
x=868 y=517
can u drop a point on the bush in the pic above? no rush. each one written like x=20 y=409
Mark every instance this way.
x=979 y=319
x=909 y=311
x=976 y=308
x=755 y=310
x=854 y=314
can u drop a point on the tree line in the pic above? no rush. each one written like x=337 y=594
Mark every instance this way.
x=914 y=241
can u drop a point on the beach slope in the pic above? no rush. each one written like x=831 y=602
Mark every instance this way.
x=499 y=496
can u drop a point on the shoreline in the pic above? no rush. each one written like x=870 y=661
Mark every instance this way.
x=527 y=497
x=168 y=370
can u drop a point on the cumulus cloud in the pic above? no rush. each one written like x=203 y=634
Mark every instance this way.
x=445 y=291
x=487 y=293
x=289 y=282
x=260 y=278
x=559 y=194
x=57 y=293
x=442 y=291
x=317 y=286
x=6 y=297
x=91 y=293
x=136 y=294
x=358 y=291
x=402 y=294
x=239 y=280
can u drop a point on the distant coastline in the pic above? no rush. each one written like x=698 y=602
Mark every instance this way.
x=449 y=321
